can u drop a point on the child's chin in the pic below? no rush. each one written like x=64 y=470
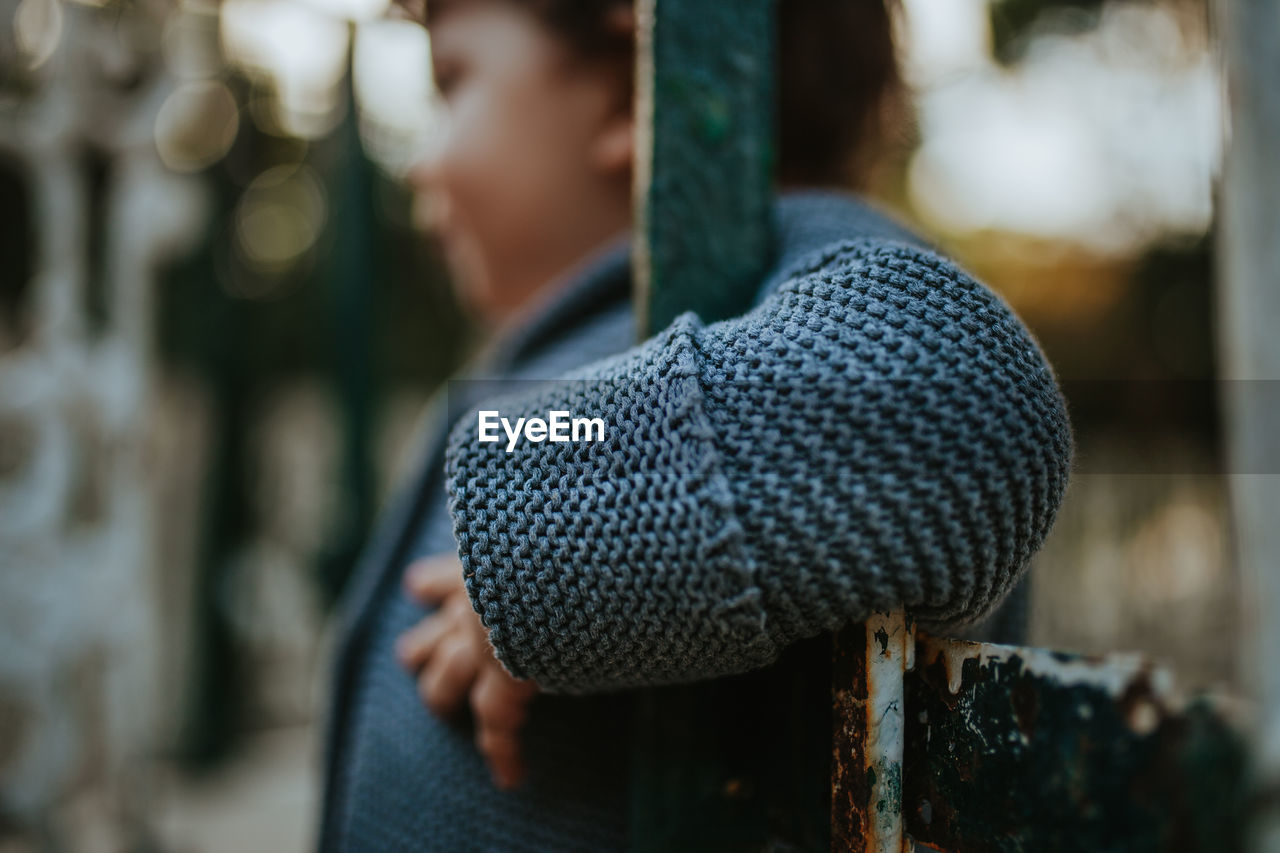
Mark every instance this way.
x=479 y=300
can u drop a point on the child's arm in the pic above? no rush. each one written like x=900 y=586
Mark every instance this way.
x=880 y=432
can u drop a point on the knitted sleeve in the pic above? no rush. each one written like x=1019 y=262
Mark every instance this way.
x=879 y=432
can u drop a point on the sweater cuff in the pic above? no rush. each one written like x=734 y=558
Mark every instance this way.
x=611 y=563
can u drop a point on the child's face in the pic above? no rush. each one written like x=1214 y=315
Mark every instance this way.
x=532 y=165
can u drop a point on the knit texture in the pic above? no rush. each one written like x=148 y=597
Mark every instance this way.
x=879 y=432
x=414 y=781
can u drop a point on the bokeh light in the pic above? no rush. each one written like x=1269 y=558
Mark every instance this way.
x=392 y=75
x=1106 y=139
x=196 y=125
x=297 y=54
x=37 y=29
x=279 y=218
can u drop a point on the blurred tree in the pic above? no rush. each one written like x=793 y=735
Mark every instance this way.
x=365 y=307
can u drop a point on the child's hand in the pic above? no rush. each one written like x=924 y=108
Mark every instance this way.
x=450 y=654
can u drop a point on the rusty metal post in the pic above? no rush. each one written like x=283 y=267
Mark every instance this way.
x=1009 y=748
x=1249 y=240
x=868 y=724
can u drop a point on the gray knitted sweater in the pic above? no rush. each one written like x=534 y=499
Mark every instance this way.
x=879 y=431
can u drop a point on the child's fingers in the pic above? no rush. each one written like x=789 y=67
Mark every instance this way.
x=415 y=646
x=501 y=749
x=500 y=704
x=498 y=700
x=432 y=579
x=448 y=678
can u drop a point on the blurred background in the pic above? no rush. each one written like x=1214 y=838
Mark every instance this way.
x=219 y=323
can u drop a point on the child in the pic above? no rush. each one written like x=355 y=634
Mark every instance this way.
x=878 y=432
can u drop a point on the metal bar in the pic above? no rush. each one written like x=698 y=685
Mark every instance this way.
x=868 y=725
x=1010 y=748
x=349 y=280
x=1249 y=269
x=712 y=767
x=704 y=157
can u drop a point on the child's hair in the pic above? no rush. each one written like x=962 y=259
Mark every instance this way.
x=840 y=95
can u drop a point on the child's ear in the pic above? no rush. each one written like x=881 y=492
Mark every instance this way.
x=614 y=148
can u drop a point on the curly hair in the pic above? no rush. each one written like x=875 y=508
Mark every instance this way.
x=841 y=97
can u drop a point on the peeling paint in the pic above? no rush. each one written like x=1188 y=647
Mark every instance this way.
x=997 y=748
x=1111 y=674
x=1008 y=748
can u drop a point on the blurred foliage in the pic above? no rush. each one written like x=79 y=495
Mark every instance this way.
x=366 y=308
x=281 y=317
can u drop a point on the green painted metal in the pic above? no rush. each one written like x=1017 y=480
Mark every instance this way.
x=705 y=156
x=349 y=278
x=737 y=763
